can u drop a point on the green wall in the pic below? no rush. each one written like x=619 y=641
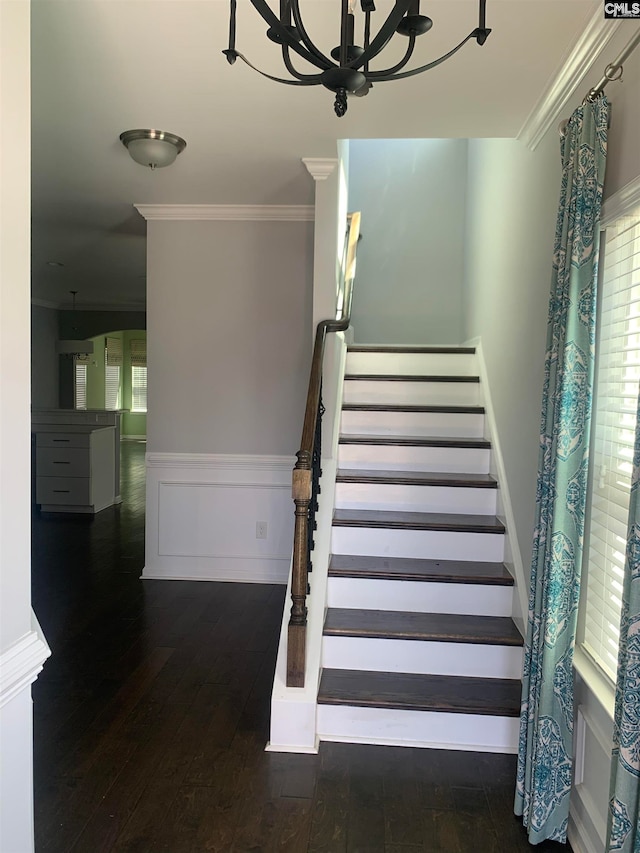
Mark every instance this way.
x=132 y=423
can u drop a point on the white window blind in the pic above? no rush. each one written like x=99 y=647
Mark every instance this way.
x=138 y=389
x=613 y=428
x=80 y=382
x=138 y=352
x=112 y=365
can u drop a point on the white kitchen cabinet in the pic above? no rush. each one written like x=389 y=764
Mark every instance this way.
x=74 y=468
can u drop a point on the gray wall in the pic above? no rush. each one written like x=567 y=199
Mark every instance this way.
x=512 y=204
x=623 y=160
x=229 y=344
x=78 y=325
x=44 y=359
x=410 y=260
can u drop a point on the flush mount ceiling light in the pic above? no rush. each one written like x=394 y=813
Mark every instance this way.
x=153 y=148
x=350 y=72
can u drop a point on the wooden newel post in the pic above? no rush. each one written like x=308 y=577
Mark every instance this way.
x=296 y=638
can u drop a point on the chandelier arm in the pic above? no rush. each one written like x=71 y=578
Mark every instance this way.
x=384 y=35
x=288 y=64
x=304 y=35
x=383 y=79
x=313 y=56
x=313 y=80
x=372 y=75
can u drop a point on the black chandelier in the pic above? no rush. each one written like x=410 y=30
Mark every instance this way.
x=349 y=73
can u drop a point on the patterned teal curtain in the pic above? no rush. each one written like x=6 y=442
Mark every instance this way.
x=546 y=717
x=623 y=831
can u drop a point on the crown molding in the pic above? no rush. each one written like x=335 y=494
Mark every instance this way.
x=592 y=41
x=44 y=303
x=621 y=203
x=320 y=167
x=228 y=212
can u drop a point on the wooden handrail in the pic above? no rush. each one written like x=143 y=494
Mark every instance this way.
x=306 y=474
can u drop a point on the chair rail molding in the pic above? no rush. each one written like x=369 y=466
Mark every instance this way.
x=577 y=63
x=228 y=212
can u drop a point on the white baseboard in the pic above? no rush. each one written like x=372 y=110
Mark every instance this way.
x=513 y=554
x=202 y=513
x=579 y=836
x=135 y=437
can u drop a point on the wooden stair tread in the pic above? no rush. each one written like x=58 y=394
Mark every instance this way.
x=416 y=478
x=434 y=627
x=397 y=520
x=408 y=377
x=408 y=569
x=409 y=349
x=415 y=441
x=403 y=691
x=411 y=409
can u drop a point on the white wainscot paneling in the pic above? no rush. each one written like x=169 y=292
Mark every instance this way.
x=202 y=514
x=590 y=794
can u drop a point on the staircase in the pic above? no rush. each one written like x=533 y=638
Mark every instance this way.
x=418 y=647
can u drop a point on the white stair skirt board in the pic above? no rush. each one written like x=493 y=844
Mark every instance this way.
x=426 y=544
x=440 y=424
x=454 y=460
x=411 y=393
x=403 y=498
x=391 y=727
x=420 y=596
x=426 y=657
x=414 y=364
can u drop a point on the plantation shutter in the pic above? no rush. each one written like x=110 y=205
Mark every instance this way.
x=616 y=397
x=113 y=363
x=138 y=350
x=80 y=381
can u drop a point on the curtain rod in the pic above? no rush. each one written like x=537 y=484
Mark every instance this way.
x=613 y=71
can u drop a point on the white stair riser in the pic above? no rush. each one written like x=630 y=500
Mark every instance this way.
x=425 y=544
x=395 y=496
x=439 y=730
x=420 y=596
x=378 y=654
x=435 y=424
x=414 y=364
x=455 y=460
x=412 y=393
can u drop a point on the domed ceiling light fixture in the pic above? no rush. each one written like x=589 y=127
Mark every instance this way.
x=152 y=148
x=350 y=72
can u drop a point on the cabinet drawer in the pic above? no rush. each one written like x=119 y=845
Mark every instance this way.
x=63 y=439
x=62 y=461
x=63 y=490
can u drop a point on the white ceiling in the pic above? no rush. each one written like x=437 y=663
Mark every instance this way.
x=103 y=66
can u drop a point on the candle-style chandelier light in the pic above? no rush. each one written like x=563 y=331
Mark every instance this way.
x=348 y=70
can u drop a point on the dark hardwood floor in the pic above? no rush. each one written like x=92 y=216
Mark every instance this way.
x=152 y=715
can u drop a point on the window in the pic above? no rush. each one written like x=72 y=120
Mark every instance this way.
x=613 y=429
x=138 y=350
x=80 y=382
x=112 y=365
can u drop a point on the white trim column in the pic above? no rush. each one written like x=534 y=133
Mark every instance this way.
x=22 y=647
x=327 y=236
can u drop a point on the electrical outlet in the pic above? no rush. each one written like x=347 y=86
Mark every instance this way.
x=261 y=529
